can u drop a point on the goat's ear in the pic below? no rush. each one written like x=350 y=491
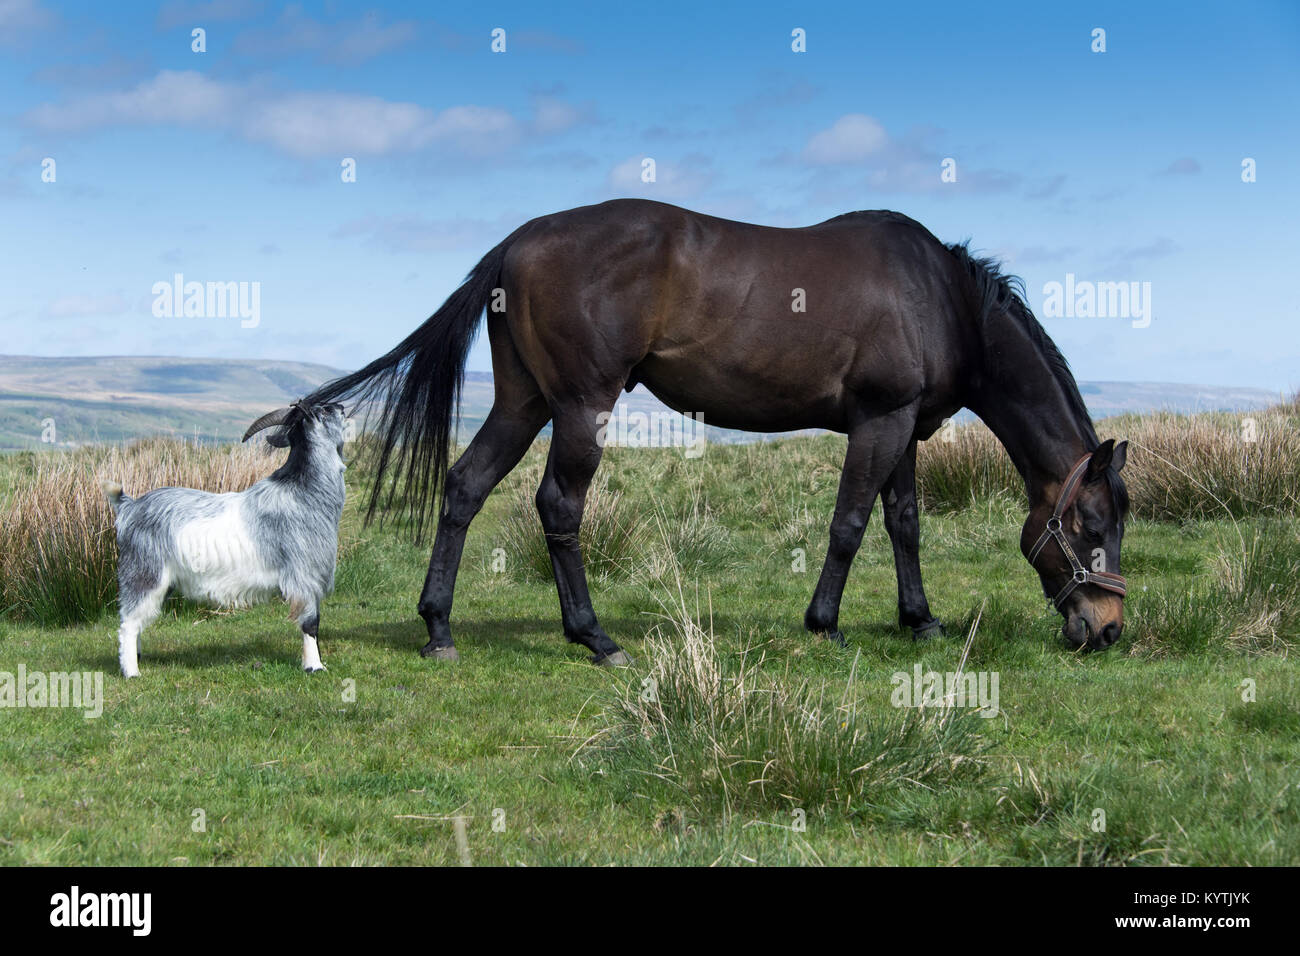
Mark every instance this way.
x=279 y=439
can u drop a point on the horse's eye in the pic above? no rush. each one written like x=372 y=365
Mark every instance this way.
x=1093 y=531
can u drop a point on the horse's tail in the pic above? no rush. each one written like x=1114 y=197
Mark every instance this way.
x=414 y=391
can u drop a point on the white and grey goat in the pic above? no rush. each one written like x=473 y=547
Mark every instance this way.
x=240 y=548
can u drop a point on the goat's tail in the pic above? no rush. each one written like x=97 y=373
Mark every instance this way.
x=113 y=493
x=414 y=392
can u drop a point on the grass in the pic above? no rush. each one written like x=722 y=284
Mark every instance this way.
x=58 y=561
x=728 y=739
x=1184 y=735
x=1180 y=466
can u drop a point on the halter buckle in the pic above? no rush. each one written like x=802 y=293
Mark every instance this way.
x=1054 y=530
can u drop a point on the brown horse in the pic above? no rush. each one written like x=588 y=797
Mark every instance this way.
x=897 y=332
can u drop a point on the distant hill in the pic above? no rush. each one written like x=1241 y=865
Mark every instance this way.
x=115 y=397
x=112 y=398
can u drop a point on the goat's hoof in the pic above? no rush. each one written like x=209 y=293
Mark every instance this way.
x=129 y=675
x=446 y=652
x=931 y=628
x=314 y=670
x=618 y=658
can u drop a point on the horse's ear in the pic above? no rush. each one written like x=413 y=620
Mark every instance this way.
x=1120 y=457
x=1101 y=459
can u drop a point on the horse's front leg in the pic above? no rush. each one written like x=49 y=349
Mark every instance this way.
x=903 y=525
x=876 y=442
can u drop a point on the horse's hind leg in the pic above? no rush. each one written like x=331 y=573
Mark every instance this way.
x=561 y=498
x=875 y=445
x=518 y=414
x=902 y=523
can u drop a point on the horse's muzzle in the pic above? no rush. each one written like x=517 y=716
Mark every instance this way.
x=1082 y=632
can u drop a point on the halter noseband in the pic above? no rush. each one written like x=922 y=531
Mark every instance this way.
x=1080 y=575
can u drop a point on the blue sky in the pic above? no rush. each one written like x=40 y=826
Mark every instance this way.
x=225 y=165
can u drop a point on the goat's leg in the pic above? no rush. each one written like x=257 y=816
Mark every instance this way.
x=876 y=443
x=128 y=649
x=495 y=450
x=309 y=624
x=139 y=610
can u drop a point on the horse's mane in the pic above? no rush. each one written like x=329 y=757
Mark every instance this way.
x=1000 y=292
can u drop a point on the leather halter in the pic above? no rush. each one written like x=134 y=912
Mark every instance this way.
x=1080 y=575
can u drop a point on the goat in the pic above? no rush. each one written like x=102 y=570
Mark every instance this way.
x=239 y=548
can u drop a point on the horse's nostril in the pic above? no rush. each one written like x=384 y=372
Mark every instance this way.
x=1110 y=634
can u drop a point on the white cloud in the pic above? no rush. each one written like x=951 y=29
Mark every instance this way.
x=313 y=124
x=348 y=42
x=554 y=116
x=1185 y=166
x=19 y=18
x=856 y=151
x=853 y=138
x=303 y=124
x=673 y=180
x=182 y=98
x=199 y=13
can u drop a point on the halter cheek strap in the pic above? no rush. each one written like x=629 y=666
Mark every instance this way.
x=1080 y=575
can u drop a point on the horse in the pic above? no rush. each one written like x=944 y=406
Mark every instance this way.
x=865 y=324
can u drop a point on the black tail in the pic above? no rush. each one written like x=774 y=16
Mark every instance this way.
x=415 y=392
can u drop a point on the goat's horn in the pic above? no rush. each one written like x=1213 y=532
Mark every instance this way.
x=269 y=420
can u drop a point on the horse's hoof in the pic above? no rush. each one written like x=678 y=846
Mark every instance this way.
x=313 y=670
x=446 y=652
x=924 y=632
x=835 y=637
x=616 y=659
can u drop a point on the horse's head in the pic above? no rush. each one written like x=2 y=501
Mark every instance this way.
x=1073 y=542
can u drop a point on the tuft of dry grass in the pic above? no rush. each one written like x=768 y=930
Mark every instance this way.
x=732 y=738
x=1248 y=601
x=1206 y=466
x=962 y=466
x=613 y=534
x=58 y=556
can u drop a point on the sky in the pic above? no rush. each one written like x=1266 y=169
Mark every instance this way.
x=128 y=157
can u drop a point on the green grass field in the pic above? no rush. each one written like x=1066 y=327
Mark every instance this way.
x=553 y=761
